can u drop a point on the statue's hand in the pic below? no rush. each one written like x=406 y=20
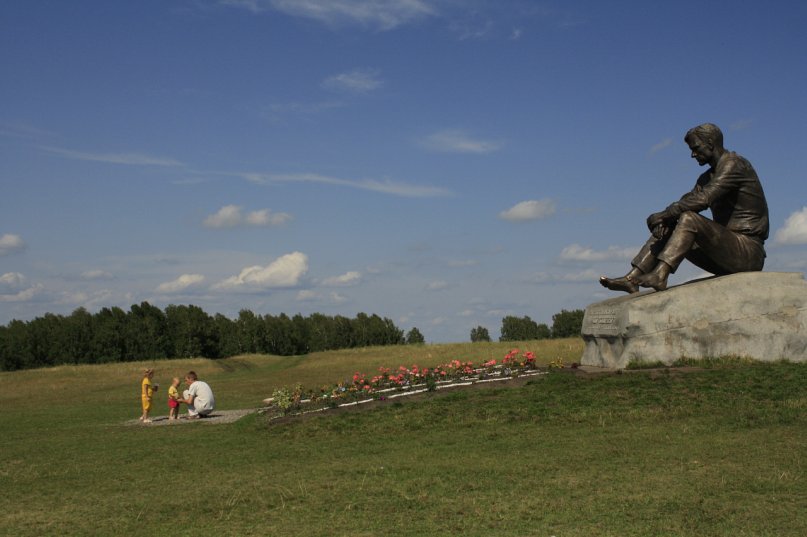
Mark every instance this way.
x=660 y=231
x=655 y=220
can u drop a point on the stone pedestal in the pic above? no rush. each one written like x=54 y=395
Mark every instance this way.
x=760 y=315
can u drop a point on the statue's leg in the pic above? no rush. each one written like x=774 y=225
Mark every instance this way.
x=644 y=261
x=721 y=251
x=708 y=245
x=675 y=250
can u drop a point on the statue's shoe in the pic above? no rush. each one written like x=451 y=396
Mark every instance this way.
x=619 y=284
x=650 y=280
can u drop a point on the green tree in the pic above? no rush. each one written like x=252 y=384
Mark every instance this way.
x=107 y=341
x=414 y=337
x=251 y=331
x=146 y=333
x=16 y=348
x=567 y=323
x=191 y=331
x=226 y=336
x=480 y=333
x=280 y=335
x=343 y=333
x=47 y=340
x=78 y=336
x=522 y=329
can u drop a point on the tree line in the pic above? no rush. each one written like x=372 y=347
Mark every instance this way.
x=146 y=332
x=564 y=324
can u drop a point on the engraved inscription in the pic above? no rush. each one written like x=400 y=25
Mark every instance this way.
x=602 y=320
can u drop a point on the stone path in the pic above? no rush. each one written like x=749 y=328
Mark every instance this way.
x=217 y=417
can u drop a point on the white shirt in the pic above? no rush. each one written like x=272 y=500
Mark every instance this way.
x=203 y=400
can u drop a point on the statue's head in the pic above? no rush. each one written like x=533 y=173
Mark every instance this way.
x=706 y=143
x=707 y=134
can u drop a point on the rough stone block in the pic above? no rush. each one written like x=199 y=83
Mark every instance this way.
x=760 y=315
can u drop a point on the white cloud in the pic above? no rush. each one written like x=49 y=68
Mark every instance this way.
x=181 y=283
x=471 y=28
x=307 y=295
x=667 y=142
x=458 y=141
x=11 y=282
x=795 y=229
x=384 y=187
x=251 y=5
x=356 y=81
x=741 y=125
x=462 y=263
x=22 y=130
x=336 y=298
x=275 y=112
x=285 y=271
x=516 y=34
x=231 y=216
x=529 y=210
x=10 y=244
x=96 y=275
x=79 y=298
x=134 y=159
x=24 y=295
x=227 y=216
x=565 y=277
x=349 y=278
x=375 y=14
x=575 y=252
x=266 y=218
x=437 y=285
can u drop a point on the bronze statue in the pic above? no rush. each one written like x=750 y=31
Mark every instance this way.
x=732 y=242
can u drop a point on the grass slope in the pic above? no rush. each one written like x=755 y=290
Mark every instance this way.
x=713 y=452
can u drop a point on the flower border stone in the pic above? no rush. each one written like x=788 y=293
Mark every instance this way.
x=402 y=382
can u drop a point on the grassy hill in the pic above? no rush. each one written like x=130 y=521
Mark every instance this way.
x=717 y=451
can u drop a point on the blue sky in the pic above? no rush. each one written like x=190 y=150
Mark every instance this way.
x=442 y=163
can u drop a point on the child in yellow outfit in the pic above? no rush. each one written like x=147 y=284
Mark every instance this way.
x=146 y=392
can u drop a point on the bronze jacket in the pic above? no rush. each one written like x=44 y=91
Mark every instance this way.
x=734 y=194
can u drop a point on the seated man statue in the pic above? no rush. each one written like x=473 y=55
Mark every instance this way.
x=732 y=242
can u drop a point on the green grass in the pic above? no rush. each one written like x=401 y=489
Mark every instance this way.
x=720 y=451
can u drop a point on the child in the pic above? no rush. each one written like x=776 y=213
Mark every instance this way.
x=173 y=399
x=146 y=391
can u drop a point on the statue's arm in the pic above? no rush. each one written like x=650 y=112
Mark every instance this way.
x=668 y=216
x=726 y=179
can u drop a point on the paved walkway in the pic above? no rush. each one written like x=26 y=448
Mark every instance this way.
x=218 y=416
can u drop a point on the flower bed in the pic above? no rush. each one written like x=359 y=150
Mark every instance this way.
x=401 y=382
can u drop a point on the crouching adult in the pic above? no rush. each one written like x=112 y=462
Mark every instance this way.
x=198 y=397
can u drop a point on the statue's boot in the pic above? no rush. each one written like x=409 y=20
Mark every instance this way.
x=619 y=284
x=656 y=278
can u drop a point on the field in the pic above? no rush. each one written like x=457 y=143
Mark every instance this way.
x=713 y=451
